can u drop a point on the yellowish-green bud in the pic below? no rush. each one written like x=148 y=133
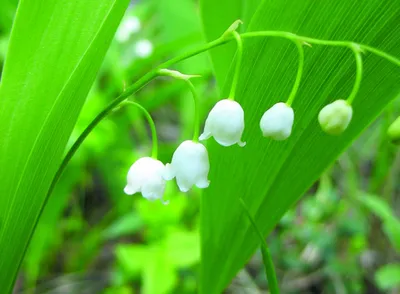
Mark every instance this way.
x=394 y=131
x=334 y=118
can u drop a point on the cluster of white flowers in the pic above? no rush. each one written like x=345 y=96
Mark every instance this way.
x=225 y=122
x=189 y=165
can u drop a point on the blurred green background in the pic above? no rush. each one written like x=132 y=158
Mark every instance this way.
x=343 y=237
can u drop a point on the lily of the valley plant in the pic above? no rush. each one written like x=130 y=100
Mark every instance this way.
x=226 y=123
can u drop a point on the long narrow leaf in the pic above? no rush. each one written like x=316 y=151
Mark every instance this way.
x=55 y=51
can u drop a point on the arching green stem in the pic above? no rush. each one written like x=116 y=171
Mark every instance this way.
x=218 y=42
x=186 y=78
x=299 y=73
x=196 y=129
x=359 y=71
x=154 y=152
x=267 y=259
x=239 y=57
x=291 y=36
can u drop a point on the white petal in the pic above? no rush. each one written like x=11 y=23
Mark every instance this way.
x=277 y=122
x=145 y=176
x=225 y=123
x=168 y=173
x=202 y=183
x=190 y=163
x=129 y=190
x=183 y=185
x=204 y=136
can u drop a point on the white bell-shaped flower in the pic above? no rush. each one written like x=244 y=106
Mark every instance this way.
x=189 y=165
x=277 y=122
x=225 y=123
x=334 y=118
x=146 y=176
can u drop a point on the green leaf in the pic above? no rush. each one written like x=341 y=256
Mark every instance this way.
x=183 y=248
x=127 y=224
x=132 y=258
x=271 y=176
x=391 y=224
x=160 y=269
x=55 y=51
x=388 y=276
x=217 y=16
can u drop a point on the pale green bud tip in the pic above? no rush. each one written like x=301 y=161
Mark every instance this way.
x=176 y=74
x=334 y=118
x=394 y=131
x=233 y=27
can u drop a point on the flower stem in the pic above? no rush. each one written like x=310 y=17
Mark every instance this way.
x=186 y=78
x=267 y=259
x=154 y=73
x=299 y=73
x=291 y=36
x=359 y=70
x=196 y=129
x=150 y=120
x=239 y=57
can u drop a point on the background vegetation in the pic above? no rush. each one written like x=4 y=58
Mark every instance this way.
x=343 y=236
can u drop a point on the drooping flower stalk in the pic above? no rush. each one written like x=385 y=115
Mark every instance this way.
x=359 y=72
x=154 y=152
x=225 y=122
x=146 y=174
x=186 y=78
x=238 y=59
x=277 y=121
x=335 y=117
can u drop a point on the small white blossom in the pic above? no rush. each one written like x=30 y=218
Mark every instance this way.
x=225 y=123
x=145 y=176
x=334 y=118
x=129 y=26
x=277 y=122
x=143 y=48
x=189 y=165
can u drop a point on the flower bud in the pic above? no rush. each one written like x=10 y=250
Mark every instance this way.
x=277 y=121
x=189 y=165
x=334 y=118
x=225 y=123
x=394 y=131
x=145 y=176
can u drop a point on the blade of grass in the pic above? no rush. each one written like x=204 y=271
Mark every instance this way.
x=267 y=259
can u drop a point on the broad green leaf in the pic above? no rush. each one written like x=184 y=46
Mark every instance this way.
x=271 y=176
x=388 y=276
x=55 y=51
x=217 y=16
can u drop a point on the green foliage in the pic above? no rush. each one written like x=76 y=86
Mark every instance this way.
x=51 y=64
x=271 y=176
x=391 y=224
x=91 y=237
x=388 y=277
